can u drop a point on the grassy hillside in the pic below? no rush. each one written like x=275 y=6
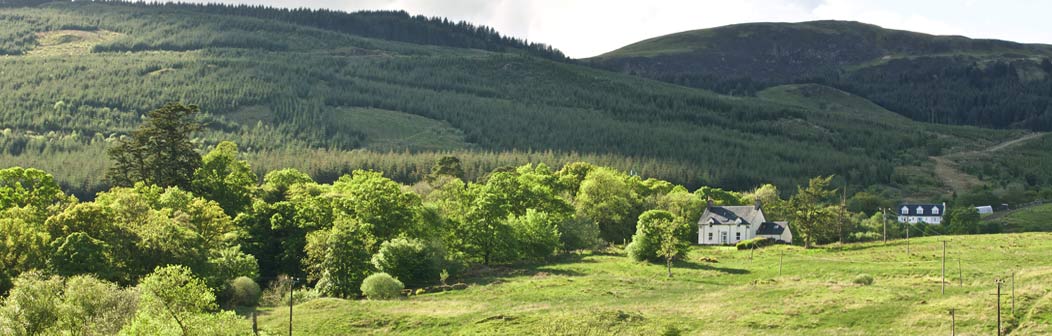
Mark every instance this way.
x=1032 y=219
x=328 y=97
x=943 y=79
x=814 y=293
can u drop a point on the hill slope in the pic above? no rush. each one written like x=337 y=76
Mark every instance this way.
x=329 y=98
x=812 y=292
x=944 y=79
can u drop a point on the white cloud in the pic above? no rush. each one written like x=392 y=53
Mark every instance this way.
x=584 y=28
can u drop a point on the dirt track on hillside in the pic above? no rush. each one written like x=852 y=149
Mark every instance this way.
x=958 y=181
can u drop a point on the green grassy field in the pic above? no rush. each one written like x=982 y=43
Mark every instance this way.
x=1038 y=218
x=813 y=293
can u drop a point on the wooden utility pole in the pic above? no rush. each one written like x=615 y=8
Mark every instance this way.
x=943 y=267
x=907 y=239
x=780 y=255
x=999 y=282
x=953 y=322
x=292 y=281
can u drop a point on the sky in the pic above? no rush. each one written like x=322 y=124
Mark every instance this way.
x=585 y=28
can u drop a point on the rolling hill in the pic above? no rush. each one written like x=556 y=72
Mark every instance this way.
x=942 y=79
x=328 y=92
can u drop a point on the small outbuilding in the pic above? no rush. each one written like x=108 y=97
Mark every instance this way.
x=985 y=210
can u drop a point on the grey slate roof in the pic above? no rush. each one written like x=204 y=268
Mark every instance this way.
x=912 y=210
x=729 y=215
x=772 y=228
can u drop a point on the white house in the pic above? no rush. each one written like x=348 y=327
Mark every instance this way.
x=725 y=225
x=921 y=213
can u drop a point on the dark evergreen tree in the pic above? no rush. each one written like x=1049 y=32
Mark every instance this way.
x=160 y=152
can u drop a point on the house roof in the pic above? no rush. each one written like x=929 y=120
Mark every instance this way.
x=730 y=215
x=772 y=228
x=922 y=210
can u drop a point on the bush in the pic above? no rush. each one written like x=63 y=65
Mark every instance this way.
x=414 y=262
x=758 y=242
x=863 y=279
x=242 y=292
x=381 y=286
x=645 y=242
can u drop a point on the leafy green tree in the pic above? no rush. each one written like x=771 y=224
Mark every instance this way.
x=606 y=199
x=276 y=183
x=412 y=261
x=228 y=264
x=22 y=247
x=687 y=209
x=536 y=236
x=812 y=216
x=225 y=179
x=339 y=258
x=650 y=233
x=79 y=253
x=32 y=306
x=94 y=307
x=719 y=196
x=482 y=232
x=20 y=187
x=172 y=294
x=160 y=151
x=572 y=175
x=963 y=220
x=378 y=203
x=670 y=242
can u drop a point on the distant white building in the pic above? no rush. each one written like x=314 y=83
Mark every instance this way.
x=726 y=225
x=921 y=213
x=986 y=209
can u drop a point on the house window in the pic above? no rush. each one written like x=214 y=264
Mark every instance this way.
x=920 y=210
x=935 y=210
x=710 y=236
x=905 y=211
x=737 y=236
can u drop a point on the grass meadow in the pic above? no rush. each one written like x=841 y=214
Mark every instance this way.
x=743 y=293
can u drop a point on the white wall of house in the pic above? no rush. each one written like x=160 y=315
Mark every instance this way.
x=920 y=219
x=733 y=233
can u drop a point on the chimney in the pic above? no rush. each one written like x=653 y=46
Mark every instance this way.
x=759 y=204
x=709 y=205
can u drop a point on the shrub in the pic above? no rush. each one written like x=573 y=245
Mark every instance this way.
x=242 y=292
x=758 y=242
x=863 y=279
x=645 y=242
x=414 y=262
x=381 y=286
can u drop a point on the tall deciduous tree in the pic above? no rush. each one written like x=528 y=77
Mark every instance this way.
x=160 y=151
x=606 y=199
x=377 y=203
x=338 y=258
x=225 y=179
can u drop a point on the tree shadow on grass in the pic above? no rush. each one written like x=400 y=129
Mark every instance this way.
x=493 y=274
x=682 y=264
